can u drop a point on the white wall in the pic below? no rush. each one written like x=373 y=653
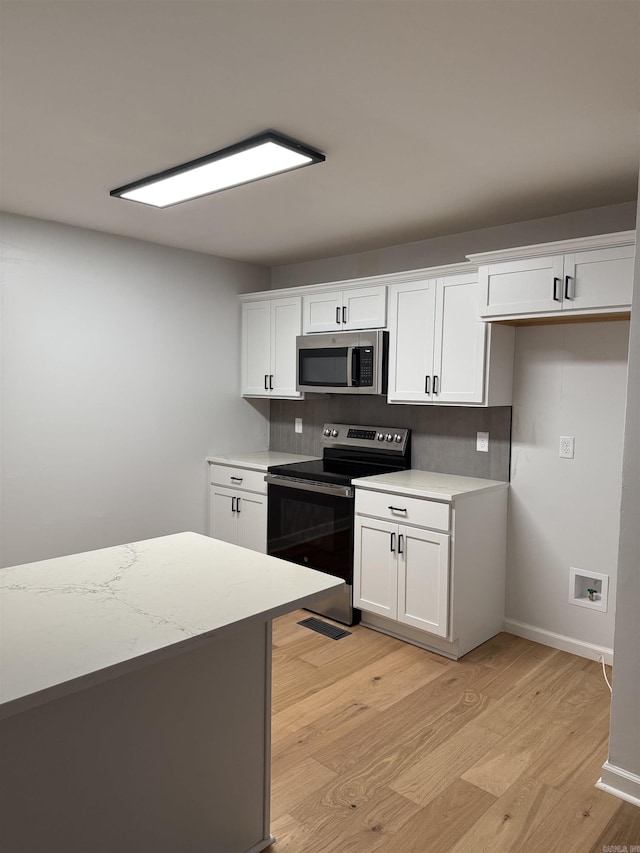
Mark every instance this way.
x=624 y=745
x=120 y=374
x=569 y=380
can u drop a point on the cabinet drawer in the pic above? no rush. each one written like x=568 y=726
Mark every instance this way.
x=404 y=510
x=238 y=478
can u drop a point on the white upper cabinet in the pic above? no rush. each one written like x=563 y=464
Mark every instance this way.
x=345 y=310
x=438 y=349
x=572 y=277
x=269 y=330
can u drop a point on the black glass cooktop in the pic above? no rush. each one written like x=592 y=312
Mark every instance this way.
x=330 y=470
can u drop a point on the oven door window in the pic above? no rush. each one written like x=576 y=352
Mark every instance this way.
x=311 y=529
x=325 y=367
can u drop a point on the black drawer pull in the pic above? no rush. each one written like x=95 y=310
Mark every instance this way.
x=393 y=541
x=397 y=509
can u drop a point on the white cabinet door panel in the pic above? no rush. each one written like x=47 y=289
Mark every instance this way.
x=256 y=348
x=322 y=312
x=251 y=515
x=600 y=278
x=365 y=308
x=375 y=581
x=411 y=319
x=285 y=325
x=521 y=287
x=223 y=522
x=459 y=350
x=423 y=580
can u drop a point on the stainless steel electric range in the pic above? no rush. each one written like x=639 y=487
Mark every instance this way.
x=311 y=504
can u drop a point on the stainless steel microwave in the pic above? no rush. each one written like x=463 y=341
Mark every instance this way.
x=343 y=362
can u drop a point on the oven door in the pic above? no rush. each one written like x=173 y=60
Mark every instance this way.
x=312 y=525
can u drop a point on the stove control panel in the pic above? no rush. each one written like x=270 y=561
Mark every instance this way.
x=391 y=439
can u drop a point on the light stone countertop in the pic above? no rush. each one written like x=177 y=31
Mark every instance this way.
x=71 y=622
x=259 y=460
x=428 y=484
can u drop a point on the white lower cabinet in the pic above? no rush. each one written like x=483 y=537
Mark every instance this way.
x=402 y=573
x=439 y=581
x=236 y=514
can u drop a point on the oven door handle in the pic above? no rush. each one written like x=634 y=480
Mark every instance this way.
x=305 y=486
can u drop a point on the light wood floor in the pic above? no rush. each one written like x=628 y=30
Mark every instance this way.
x=381 y=746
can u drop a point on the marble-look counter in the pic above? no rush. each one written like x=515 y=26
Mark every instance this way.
x=429 y=484
x=74 y=620
x=136 y=691
x=259 y=460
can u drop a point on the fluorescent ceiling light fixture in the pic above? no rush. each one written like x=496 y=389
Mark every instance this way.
x=266 y=154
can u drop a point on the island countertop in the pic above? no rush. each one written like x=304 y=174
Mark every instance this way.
x=73 y=621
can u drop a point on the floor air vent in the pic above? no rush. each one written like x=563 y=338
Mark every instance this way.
x=324 y=628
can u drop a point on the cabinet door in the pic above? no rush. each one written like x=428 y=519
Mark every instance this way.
x=423 y=579
x=411 y=323
x=599 y=278
x=256 y=348
x=251 y=515
x=375 y=573
x=521 y=287
x=286 y=323
x=365 y=308
x=322 y=312
x=459 y=350
x=223 y=521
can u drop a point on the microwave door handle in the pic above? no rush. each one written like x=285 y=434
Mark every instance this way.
x=351 y=366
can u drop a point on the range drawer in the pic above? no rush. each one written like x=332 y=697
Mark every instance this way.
x=423 y=513
x=237 y=478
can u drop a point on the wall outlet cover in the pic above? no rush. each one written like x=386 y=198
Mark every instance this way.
x=567 y=446
x=482 y=442
x=297 y=424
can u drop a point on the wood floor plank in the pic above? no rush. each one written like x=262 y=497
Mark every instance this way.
x=289 y=789
x=379 y=684
x=432 y=771
x=504 y=827
x=622 y=831
x=444 y=820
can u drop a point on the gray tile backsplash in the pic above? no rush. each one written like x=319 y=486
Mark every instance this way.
x=443 y=438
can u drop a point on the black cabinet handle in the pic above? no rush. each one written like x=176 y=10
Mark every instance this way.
x=396 y=509
x=344 y=313
x=266 y=383
x=435 y=384
x=393 y=542
x=238 y=505
x=271 y=382
x=427 y=384
x=400 y=550
x=567 y=279
x=236 y=479
x=338 y=316
x=556 y=282
x=233 y=504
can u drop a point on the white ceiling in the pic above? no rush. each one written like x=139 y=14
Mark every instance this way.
x=435 y=116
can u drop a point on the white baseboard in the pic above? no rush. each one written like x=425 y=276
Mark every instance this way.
x=620 y=783
x=558 y=641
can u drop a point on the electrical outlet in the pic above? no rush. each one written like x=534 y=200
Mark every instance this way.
x=567 y=445
x=482 y=441
x=297 y=424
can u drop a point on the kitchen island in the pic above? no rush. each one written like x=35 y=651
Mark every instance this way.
x=135 y=697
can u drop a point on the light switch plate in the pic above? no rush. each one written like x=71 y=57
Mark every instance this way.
x=297 y=424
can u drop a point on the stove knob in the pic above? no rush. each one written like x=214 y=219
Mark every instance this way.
x=388 y=437
x=380 y=436
x=334 y=433
x=398 y=437
x=326 y=432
